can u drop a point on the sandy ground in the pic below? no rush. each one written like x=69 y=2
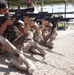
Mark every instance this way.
x=59 y=60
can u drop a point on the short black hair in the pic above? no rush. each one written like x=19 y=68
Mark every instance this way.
x=3 y=3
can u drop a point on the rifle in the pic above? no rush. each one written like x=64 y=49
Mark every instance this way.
x=22 y=11
x=18 y=13
x=38 y=16
x=58 y=18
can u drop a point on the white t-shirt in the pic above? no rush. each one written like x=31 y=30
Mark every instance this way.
x=32 y=5
x=35 y=10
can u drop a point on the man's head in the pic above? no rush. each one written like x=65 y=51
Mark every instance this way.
x=3 y=7
x=29 y=1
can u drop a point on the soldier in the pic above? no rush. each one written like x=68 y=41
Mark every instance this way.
x=51 y=35
x=9 y=47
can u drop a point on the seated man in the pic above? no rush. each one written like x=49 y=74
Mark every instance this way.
x=51 y=35
x=8 y=46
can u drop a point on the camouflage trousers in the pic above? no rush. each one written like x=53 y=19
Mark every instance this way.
x=18 y=49
x=50 y=38
x=17 y=54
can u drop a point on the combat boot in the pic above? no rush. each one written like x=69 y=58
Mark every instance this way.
x=50 y=45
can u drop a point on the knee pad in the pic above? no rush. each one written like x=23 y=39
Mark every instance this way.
x=3 y=40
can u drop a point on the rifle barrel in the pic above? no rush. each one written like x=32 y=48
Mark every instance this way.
x=22 y=10
x=63 y=13
x=59 y=18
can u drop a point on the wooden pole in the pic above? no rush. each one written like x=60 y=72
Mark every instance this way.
x=42 y=2
x=65 y=15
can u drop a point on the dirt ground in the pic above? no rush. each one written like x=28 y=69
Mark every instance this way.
x=58 y=61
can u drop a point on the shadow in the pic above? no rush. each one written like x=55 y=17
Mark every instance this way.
x=57 y=53
x=8 y=69
x=3 y=57
x=50 y=50
x=31 y=57
x=12 y=69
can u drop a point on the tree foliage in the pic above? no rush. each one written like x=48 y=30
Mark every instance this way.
x=38 y=2
x=16 y=3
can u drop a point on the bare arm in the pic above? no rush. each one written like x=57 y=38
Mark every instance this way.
x=2 y=28
x=5 y=24
x=26 y=28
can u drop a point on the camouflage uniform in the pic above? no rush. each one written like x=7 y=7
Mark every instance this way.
x=9 y=47
x=50 y=37
x=49 y=42
x=37 y=33
x=18 y=55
